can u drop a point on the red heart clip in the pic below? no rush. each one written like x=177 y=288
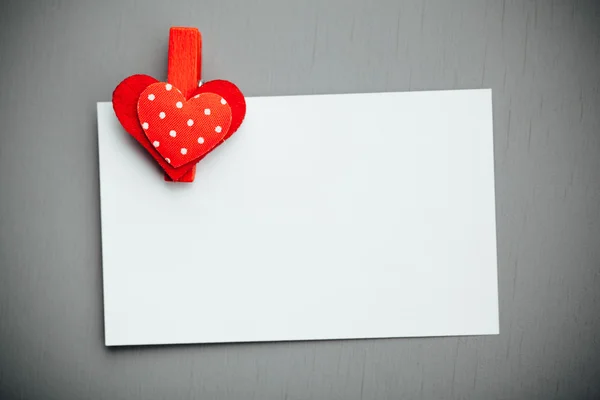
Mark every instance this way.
x=179 y=123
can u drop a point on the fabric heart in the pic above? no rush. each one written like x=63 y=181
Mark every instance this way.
x=182 y=130
x=125 y=98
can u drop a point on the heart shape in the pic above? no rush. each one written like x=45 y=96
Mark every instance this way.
x=182 y=130
x=125 y=98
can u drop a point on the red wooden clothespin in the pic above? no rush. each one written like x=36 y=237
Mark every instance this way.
x=179 y=122
x=185 y=69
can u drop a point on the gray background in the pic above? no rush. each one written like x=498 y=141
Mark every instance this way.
x=58 y=58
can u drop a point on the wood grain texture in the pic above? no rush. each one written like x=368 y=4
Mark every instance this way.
x=542 y=60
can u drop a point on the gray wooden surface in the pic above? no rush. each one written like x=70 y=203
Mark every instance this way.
x=542 y=60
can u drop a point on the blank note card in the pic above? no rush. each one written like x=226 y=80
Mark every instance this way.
x=323 y=217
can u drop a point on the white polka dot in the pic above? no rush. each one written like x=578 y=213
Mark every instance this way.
x=196 y=96
x=156 y=143
x=179 y=104
x=168 y=86
x=223 y=101
x=218 y=129
x=173 y=133
x=162 y=115
x=168 y=160
x=151 y=97
x=190 y=122
x=200 y=140
x=145 y=125
x=207 y=111
x=183 y=151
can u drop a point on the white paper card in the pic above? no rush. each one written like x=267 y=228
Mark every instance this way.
x=323 y=217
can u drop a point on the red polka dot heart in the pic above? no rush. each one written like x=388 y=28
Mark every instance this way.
x=182 y=130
